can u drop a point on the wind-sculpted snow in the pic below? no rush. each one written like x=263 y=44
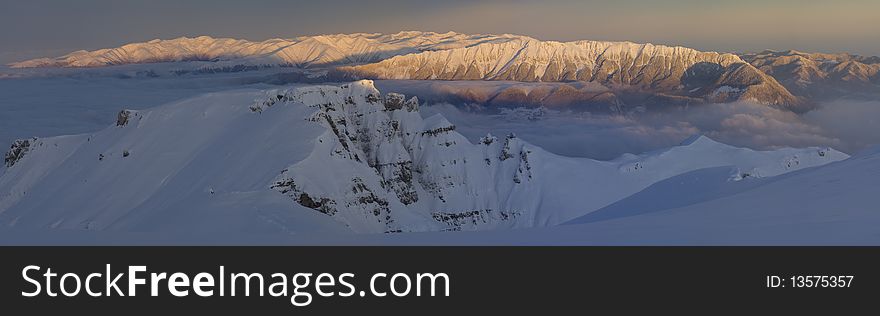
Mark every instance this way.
x=329 y=158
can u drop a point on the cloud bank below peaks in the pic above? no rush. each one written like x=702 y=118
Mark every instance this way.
x=846 y=125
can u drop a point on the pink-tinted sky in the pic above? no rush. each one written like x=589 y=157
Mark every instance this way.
x=38 y=28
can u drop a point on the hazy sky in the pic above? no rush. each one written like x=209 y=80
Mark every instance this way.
x=34 y=28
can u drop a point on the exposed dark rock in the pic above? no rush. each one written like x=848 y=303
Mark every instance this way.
x=506 y=151
x=488 y=139
x=412 y=105
x=368 y=199
x=439 y=130
x=289 y=188
x=321 y=206
x=394 y=101
x=124 y=117
x=399 y=178
x=525 y=169
x=459 y=220
x=372 y=98
x=18 y=150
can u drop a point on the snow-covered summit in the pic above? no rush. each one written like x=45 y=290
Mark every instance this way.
x=695 y=139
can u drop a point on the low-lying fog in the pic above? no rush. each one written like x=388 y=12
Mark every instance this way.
x=846 y=125
x=52 y=106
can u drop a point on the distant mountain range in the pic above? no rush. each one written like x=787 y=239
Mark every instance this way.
x=813 y=74
x=633 y=74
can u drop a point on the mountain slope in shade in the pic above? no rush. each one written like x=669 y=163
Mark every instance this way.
x=588 y=96
x=326 y=157
x=817 y=74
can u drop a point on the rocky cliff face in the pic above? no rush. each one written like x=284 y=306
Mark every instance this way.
x=381 y=168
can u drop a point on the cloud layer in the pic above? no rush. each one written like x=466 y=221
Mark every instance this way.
x=849 y=126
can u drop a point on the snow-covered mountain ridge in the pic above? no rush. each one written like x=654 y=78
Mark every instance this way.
x=820 y=74
x=304 y=51
x=674 y=74
x=326 y=157
x=675 y=71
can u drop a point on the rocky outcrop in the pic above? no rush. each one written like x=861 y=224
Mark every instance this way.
x=125 y=116
x=470 y=220
x=396 y=101
x=18 y=150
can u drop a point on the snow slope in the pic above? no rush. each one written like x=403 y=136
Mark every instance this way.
x=176 y=155
x=834 y=204
x=329 y=158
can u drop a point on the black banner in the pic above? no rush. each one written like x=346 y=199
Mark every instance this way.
x=478 y=280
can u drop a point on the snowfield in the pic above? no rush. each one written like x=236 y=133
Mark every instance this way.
x=347 y=164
